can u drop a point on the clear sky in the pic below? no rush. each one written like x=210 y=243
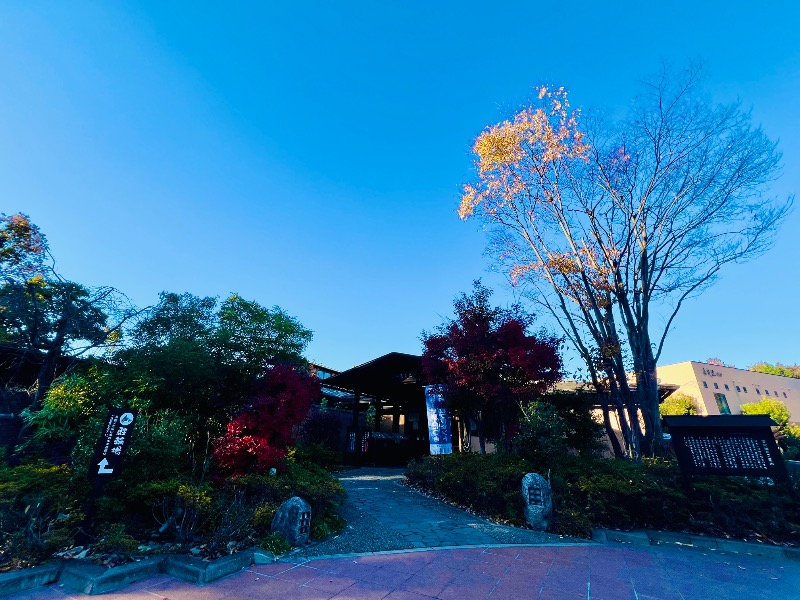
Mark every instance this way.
x=310 y=154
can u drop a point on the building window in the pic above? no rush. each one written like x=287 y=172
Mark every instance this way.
x=722 y=404
x=745 y=389
x=716 y=386
x=705 y=385
x=727 y=389
x=738 y=389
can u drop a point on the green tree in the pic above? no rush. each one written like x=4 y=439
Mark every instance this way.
x=42 y=312
x=776 y=409
x=678 y=405
x=787 y=434
x=200 y=358
x=778 y=369
x=58 y=319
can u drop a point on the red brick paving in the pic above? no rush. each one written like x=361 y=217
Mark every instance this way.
x=522 y=572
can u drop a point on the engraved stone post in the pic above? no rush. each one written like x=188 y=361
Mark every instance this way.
x=538 y=497
x=293 y=520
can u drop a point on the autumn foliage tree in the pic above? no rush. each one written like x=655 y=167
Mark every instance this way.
x=258 y=437
x=489 y=361
x=613 y=225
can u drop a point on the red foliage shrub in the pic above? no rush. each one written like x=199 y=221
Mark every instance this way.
x=257 y=438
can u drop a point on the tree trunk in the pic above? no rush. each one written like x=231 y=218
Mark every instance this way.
x=481 y=435
x=612 y=435
x=45 y=377
x=648 y=383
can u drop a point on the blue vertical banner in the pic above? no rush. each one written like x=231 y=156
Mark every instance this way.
x=440 y=436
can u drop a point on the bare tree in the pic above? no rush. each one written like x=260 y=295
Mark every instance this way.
x=612 y=223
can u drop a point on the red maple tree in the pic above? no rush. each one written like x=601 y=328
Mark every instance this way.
x=490 y=362
x=257 y=438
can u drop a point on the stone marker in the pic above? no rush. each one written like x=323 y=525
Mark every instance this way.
x=538 y=497
x=293 y=521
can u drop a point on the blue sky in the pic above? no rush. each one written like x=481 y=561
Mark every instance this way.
x=310 y=154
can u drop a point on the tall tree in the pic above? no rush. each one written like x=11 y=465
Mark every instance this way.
x=199 y=357
x=489 y=361
x=40 y=311
x=23 y=248
x=610 y=222
x=58 y=319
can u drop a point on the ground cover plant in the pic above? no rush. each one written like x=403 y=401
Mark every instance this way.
x=593 y=492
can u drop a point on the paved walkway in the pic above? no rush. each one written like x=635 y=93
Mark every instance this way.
x=383 y=515
x=517 y=572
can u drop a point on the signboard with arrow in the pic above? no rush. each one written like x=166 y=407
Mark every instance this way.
x=106 y=461
x=111 y=445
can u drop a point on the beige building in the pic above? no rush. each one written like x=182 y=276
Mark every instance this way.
x=722 y=390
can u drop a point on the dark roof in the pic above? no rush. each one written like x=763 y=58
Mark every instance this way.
x=720 y=421
x=394 y=376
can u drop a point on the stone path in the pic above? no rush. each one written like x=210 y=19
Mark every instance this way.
x=590 y=572
x=383 y=514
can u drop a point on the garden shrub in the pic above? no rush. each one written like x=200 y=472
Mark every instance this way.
x=327 y=525
x=40 y=508
x=115 y=540
x=594 y=492
x=787 y=434
x=274 y=542
x=548 y=433
x=320 y=455
x=321 y=428
x=486 y=483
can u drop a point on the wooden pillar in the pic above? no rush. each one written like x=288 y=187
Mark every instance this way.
x=356 y=429
x=396 y=418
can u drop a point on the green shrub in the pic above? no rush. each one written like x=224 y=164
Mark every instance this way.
x=327 y=525
x=115 y=540
x=776 y=409
x=274 y=542
x=320 y=455
x=593 y=492
x=486 y=483
x=40 y=508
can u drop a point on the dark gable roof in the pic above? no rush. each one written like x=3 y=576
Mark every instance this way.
x=393 y=376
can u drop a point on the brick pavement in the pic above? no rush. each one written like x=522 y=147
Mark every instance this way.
x=494 y=573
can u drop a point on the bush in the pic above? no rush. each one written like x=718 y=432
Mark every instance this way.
x=275 y=543
x=787 y=434
x=40 y=508
x=322 y=456
x=309 y=481
x=321 y=427
x=551 y=431
x=615 y=493
x=486 y=483
x=115 y=540
x=776 y=409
